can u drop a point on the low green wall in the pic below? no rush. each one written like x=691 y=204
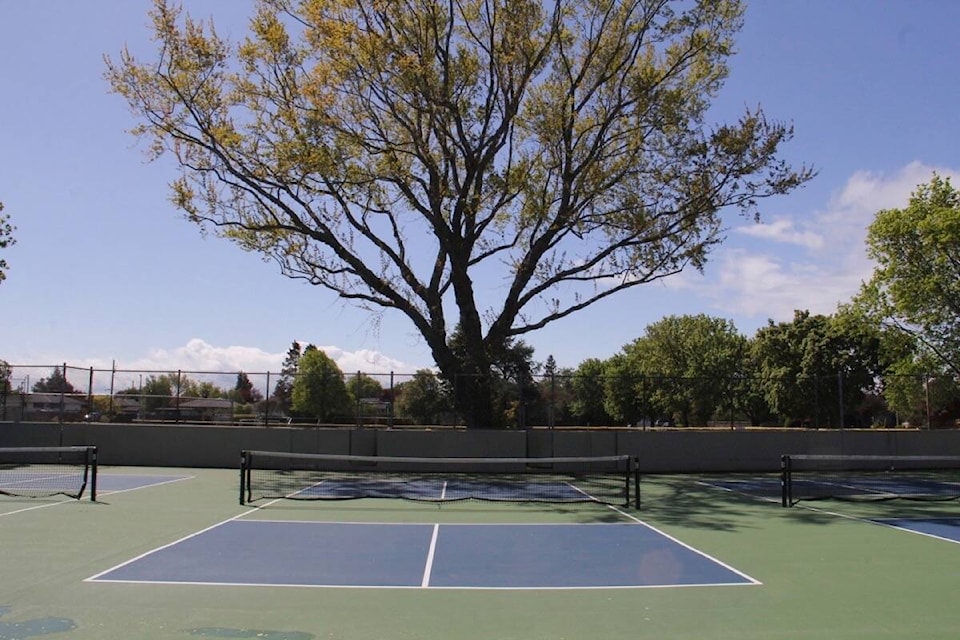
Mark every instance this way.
x=659 y=451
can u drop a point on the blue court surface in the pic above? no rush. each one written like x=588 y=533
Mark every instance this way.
x=117 y=482
x=453 y=556
x=851 y=486
x=942 y=528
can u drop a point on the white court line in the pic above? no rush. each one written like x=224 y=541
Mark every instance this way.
x=666 y=535
x=428 y=568
x=99 y=493
x=425 y=582
x=36 y=478
x=145 y=486
x=430 y=558
x=909 y=530
x=94 y=578
x=39 y=506
x=875 y=522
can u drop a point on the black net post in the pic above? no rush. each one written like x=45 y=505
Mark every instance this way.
x=244 y=475
x=786 y=480
x=92 y=463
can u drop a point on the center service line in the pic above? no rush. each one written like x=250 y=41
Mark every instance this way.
x=428 y=569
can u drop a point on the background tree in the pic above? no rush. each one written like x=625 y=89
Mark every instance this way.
x=283 y=390
x=55 y=383
x=6 y=240
x=747 y=391
x=244 y=391
x=692 y=359
x=508 y=379
x=363 y=389
x=392 y=152
x=814 y=365
x=187 y=387
x=916 y=283
x=157 y=391
x=6 y=374
x=319 y=389
x=426 y=398
x=361 y=385
x=555 y=391
x=916 y=396
x=587 y=402
x=626 y=398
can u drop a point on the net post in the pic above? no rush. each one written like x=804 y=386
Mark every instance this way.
x=786 y=479
x=635 y=463
x=243 y=476
x=92 y=459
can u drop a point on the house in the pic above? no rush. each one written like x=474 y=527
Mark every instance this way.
x=44 y=406
x=213 y=409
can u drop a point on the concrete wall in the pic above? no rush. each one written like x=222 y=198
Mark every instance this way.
x=659 y=451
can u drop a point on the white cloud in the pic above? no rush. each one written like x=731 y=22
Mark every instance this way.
x=867 y=191
x=815 y=261
x=201 y=356
x=783 y=230
x=765 y=286
x=202 y=361
x=366 y=361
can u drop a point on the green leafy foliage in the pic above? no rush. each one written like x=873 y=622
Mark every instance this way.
x=680 y=370
x=425 y=398
x=319 y=389
x=916 y=284
x=6 y=240
x=810 y=367
x=56 y=382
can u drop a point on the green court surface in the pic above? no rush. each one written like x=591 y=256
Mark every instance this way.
x=823 y=570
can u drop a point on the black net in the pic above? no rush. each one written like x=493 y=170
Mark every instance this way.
x=37 y=472
x=865 y=478
x=610 y=480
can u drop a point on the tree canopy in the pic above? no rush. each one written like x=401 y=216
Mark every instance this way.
x=319 y=389
x=56 y=383
x=916 y=284
x=398 y=153
x=6 y=240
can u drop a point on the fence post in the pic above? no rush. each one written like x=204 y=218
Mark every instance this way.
x=266 y=404
x=89 y=391
x=840 y=395
x=113 y=375
x=392 y=399
x=357 y=409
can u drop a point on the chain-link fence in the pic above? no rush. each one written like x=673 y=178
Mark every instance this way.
x=66 y=393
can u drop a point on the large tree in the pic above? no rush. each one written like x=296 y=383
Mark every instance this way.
x=684 y=366
x=283 y=390
x=319 y=389
x=587 y=404
x=916 y=283
x=6 y=240
x=6 y=374
x=816 y=366
x=425 y=398
x=399 y=154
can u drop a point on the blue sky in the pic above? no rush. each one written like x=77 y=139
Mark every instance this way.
x=105 y=270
